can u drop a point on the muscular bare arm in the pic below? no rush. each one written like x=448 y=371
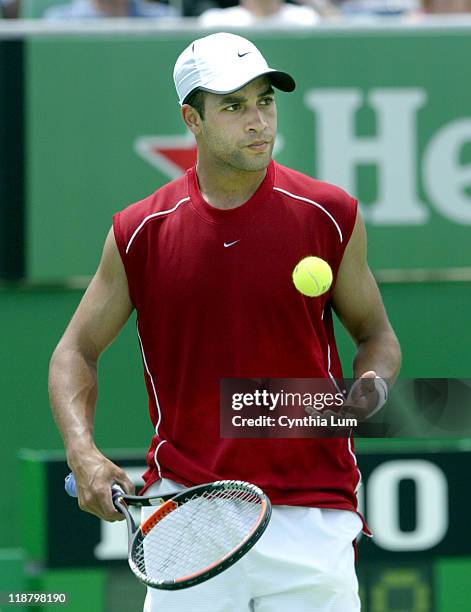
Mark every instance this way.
x=102 y=312
x=358 y=304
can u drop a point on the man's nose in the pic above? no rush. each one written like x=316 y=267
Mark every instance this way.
x=256 y=120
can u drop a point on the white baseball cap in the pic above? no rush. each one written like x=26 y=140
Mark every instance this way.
x=222 y=63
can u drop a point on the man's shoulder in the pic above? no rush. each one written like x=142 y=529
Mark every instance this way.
x=164 y=199
x=131 y=221
x=309 y=196
x=297 y=184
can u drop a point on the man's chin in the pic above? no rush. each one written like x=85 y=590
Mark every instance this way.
x=258 y=164
x=249 y=163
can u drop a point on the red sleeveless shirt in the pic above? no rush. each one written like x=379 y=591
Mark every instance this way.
x=215 y=299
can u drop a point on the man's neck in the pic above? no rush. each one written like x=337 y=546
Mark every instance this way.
x=227 y=188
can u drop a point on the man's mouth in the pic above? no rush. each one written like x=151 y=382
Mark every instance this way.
x=259 y=145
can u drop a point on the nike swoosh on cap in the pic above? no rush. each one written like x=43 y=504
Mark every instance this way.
x=228 y=244
x=243 y=54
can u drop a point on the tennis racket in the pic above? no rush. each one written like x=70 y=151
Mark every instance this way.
x=193 y=534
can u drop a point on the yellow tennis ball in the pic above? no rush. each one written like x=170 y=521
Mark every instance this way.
x=312 y=276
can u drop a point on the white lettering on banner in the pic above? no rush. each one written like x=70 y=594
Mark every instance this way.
x=393 y=149
x=431 y=510
x=445 y=180
x=113 y=542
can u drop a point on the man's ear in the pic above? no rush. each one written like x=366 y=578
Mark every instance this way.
x=191 y=118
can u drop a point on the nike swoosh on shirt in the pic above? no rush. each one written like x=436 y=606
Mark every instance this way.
x=228 y=244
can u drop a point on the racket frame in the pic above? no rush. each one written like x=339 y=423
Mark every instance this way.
x=170 y=502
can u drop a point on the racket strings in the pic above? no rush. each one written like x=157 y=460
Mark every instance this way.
x=226 y=528
x=201 y=532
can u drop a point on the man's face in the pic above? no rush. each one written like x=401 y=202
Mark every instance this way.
x=239 y=129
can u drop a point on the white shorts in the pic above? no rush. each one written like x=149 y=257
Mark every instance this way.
x=303 y=562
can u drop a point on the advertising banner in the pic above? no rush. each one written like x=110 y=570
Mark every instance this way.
x=383 y=113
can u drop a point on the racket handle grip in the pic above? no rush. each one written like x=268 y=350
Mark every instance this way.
x=71 y=487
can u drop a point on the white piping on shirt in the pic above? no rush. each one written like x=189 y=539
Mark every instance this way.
x=159 y=412
x=303 y=199
x=153 y=216
x=350 y=450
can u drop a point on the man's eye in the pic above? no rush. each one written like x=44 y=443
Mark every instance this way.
x=232 y=107
x=266 y=101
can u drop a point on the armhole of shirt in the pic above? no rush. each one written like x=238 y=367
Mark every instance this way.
x=118 y=237
x=348 y=231
x=120 y=243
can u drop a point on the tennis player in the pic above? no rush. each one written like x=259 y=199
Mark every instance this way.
x=206 y=263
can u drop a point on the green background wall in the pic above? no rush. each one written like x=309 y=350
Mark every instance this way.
x=90 y=99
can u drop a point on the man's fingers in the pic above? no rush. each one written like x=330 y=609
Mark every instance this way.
x=362 y=401
x=362 y=387
x=363 y=396
x=95 y=495
x=367 y=381
x=127 y=486
x=109 y=512
x=100 y=504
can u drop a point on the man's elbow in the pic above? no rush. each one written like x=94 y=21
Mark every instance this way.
x=68 y=355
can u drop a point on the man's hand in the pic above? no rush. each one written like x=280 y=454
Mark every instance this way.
x=364 y=397
x=94 y=476
x=363 y=400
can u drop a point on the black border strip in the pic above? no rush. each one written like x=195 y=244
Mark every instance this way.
x=12 y=175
